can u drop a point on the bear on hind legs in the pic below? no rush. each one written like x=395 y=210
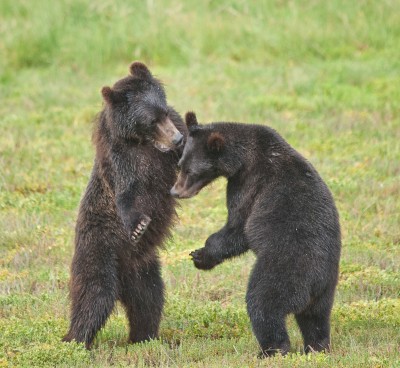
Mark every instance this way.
x=280 y=208
x=126 y=212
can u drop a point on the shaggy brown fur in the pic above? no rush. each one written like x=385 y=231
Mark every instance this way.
x=126 y=212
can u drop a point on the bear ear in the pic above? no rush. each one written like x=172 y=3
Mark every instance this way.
x=111 y=96
x=191 y=120
x=140 y=70
x=107 y=93
x=215 y=142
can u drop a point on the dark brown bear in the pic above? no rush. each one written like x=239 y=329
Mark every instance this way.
x=280 y=208
x=127 y=211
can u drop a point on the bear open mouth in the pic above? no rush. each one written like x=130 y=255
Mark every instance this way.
x=184 y=192
x=167 y=136
x=161 y=147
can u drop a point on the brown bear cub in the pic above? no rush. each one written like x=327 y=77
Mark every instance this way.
x=127 y=211
x=280 y=208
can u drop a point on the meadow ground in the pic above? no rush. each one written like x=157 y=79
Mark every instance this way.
x=326 y=75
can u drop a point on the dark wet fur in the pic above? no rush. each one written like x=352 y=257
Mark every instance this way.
x=281 y=209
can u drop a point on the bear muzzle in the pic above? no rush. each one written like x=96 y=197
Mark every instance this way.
x=185 y=187
x=167 y=136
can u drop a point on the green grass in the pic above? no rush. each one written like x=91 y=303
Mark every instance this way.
x=326 y=75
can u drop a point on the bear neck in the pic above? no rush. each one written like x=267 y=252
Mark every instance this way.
x=255 y=151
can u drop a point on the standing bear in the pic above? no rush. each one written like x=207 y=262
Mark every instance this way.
x=127 y=211
x=280 y=208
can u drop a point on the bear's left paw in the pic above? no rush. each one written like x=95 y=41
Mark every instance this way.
x=140 y=229
x=202 y=260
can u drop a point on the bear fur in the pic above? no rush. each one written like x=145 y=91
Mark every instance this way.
x=127 y=211
x=280 y=208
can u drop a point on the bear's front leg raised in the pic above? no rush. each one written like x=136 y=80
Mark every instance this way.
x=203 y=260
x=210 y=255
x=135 y=222
x=224 y=244
x=140 y=229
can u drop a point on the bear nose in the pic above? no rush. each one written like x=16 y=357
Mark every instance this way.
x=177 y=138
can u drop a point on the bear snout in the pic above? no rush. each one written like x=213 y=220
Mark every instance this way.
x=177 y=138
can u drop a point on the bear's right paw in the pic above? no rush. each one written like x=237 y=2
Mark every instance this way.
x=140 y=229
x=202 y=260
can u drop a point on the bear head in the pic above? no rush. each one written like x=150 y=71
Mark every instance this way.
x=137 y=110
x=202 y=159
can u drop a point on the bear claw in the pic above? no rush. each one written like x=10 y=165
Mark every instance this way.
x=202 y=260
x=196 y=255
x=140 y=229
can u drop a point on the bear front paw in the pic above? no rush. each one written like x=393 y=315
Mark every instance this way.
x=140 y=229
x=202 y=260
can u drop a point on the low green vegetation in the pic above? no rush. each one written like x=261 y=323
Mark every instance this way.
x=326 y=75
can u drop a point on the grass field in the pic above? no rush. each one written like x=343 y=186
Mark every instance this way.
x=325 y=74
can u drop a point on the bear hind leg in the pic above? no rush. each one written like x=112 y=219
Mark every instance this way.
x=143 y=300
x=314 y=324
x=267 y=319
x=89 y=313
x=271 y=333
